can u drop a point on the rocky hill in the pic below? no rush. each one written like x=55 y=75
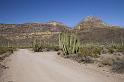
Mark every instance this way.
x=93 y=22
x=26 y=33
x=32 y=27
x=90 y=29
x=93 y=29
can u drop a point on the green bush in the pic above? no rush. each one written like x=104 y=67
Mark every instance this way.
x=84 y=51
x=111 y=50
x=53 y=47
x=115 y=47
x=90 y=50
x=37 y=46
x=120 y=47
x=6 y=49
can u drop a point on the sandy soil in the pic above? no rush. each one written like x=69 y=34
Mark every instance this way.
x=27 y=66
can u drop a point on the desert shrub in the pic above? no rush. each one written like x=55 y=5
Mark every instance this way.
x=5 y=52
x=6 y=49
x=11 y=49
x=2 y=50
x=106 y=59
x=84 y=51
x=37 y=46
x=118 y=66
x=115 y=47
x=111 y=50
x=52 y=47
x=84 y=54
x=90 y=50
x=96 y=51
x=120 y=47
x=55 y=48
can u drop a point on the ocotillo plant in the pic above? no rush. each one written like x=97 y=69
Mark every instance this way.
x=69 y=43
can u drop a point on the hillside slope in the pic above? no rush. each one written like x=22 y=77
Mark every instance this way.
x=90 y=29
x=25 y=34
x=93 y=29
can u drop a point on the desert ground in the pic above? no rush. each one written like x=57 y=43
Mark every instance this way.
x=27 y=66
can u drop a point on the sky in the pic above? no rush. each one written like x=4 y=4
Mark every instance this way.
x=69 y=12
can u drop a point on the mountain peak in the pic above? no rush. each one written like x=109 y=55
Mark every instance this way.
x=91 y=22
x=92 y=19
x=55 y=23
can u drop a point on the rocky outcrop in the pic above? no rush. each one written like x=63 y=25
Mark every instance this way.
x=32 y=27
x=93 y=22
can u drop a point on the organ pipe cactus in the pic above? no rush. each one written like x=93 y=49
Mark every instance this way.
x=69 y=43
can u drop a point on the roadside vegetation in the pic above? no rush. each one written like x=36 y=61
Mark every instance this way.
x=110 y=54
x=5 y=52
x=6 y=49
x=69 y=46
x=40 y=46
x=69 y=43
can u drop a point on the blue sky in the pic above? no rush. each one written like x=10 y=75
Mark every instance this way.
x=69 y=12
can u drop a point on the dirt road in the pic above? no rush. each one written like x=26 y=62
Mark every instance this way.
x=27 y=66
